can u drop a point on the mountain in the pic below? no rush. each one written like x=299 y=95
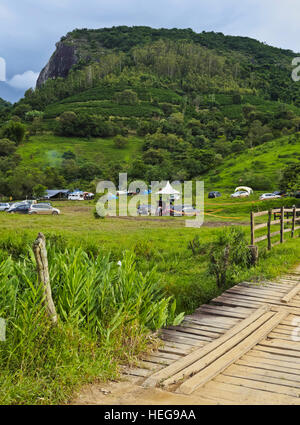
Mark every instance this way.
x=85 y=46
x=4 y=103
x=157 y=104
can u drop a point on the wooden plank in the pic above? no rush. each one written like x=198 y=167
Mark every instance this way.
x=287 y=345
x=185 y=334
x=244 y=300
x=218 y=311
x=203 y=328
x=181 y=364
x=195 y=331
x=224 y=309
x=269 y=355
x=235 y=353
x=178 y=339
x=214 y=355
x=260 y=226
x=241 y=395
x=268 y=387
x=278 y=367
x=254 y=293
x=261 y=213
x=287 y=298
x=278 y=351
x=237 y=301
x=260 y=239
x=266 y=376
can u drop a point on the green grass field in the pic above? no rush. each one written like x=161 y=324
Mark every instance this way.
x=158 y=242
x=47 y=150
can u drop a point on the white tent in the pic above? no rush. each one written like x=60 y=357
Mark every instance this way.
x=168 y=190
x=244 y=188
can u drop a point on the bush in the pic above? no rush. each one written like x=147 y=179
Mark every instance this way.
x=120 y=142
x=228 y=255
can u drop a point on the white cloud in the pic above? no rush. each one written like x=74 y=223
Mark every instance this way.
x=24 y=81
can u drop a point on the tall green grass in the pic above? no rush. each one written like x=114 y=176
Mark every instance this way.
x=106 y=314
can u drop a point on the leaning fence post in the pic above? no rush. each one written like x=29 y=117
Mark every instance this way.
x=269 y=230
x=294 y=221
x=40 y=252
x=252 y=228
x=282 y=225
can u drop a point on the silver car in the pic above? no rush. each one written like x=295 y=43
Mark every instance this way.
x=43 y=209
x=4 y=206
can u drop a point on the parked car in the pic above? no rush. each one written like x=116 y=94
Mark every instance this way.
x=240 y=194
x=30 y=201
x=184 y=210
x=15 y=204
x=76 y=197
x=214 y=194
x=146 y=210
x=4 y=206
x=280 y=193
x=267 y=196
x=43 y=208
x=19 y=209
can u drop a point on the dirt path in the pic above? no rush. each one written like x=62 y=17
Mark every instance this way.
x=128 y=391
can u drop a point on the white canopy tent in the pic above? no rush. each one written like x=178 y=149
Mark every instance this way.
x=168 y=190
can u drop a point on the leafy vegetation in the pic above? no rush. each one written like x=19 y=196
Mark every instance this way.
x=105 y=313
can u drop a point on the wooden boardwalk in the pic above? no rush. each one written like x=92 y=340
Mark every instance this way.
x=241 y=348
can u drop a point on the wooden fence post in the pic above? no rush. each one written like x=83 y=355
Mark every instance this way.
x=282 y=225
x=294 y=222
x=269 y=230
x=40 y=252
x=253 y=254
x=252 y=229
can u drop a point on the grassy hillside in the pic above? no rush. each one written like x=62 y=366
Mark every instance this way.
x=265 y=161
x=47 y=150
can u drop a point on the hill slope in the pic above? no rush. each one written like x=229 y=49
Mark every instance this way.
x=260 y=167
x=156 y=103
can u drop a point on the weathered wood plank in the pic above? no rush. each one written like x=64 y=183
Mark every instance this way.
x=290 y=295
x=183 y=363
x=235 y=353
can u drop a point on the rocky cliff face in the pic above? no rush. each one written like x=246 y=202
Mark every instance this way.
x=60 y=63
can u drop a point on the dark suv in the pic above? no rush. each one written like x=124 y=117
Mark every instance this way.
x=214 y=194
x=20 y=209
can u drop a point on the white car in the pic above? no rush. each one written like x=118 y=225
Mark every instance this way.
x=267 y=196
x=4 y=206
x=240 y=194
x=76 y=197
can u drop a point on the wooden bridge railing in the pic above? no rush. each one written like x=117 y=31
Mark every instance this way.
x=286 y=215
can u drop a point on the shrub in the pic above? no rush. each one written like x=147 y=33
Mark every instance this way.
x=228 y=255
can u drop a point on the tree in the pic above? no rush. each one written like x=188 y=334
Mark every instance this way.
x=15 y=131
x=290 y=177
x=238 y=145
x=39 y=191
x=7 y=147
x=120 y=142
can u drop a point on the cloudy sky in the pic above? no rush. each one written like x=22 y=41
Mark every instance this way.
x=29 y=29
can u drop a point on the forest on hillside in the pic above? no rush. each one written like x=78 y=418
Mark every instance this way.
x=193 y=100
